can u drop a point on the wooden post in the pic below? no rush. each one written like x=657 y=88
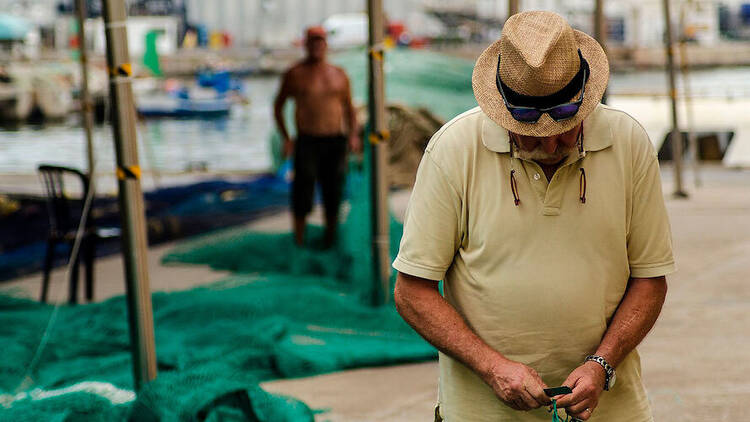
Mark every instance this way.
x=134 y=242
x=687 y=94
x=675 y=137
x=512 y=7
x=600 y=32
x=378 y=138
x=87 y=106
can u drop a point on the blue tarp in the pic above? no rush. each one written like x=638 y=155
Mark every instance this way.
x=173 y=213
x=13 y=27
x=745 y=13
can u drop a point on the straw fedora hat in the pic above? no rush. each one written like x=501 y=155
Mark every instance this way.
x=538 y=56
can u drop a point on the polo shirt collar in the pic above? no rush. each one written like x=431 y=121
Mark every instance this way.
x=596 y=129
x=494 y=136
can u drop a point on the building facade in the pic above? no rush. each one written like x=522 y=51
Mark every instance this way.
x=279 y=23
x=632 y=23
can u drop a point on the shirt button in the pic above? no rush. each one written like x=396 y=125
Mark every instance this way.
x=537 y=176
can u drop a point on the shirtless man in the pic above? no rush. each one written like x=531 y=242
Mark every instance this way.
x=326 y=122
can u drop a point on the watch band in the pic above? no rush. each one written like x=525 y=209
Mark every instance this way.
x=609 y=371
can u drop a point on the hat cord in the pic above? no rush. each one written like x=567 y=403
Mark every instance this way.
x=582 y=186
x=513 y=183
x=582 y=180
x=514 y=188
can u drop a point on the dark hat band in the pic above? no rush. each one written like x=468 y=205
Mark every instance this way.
x=546 y=101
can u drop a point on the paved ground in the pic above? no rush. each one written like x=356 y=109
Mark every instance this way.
x=696 y=361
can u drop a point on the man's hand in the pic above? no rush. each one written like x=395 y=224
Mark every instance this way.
x=587 y=383
x=355 y=143
x=287 y=148
x=517 y=385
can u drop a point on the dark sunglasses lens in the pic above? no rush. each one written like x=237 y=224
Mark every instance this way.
x=526 y=114
x=565 y=111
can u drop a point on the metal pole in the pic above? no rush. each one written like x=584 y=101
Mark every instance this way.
x=675 y=137
x=600 y=28
x=692 y=140
x=600 y=32
x=134 y=243
x=512 y=7
x=260 y=16
x=379 y=150
x=242 y=16
x=87 y=106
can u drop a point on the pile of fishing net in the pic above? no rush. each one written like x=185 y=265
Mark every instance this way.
x=416 y=78
x=410 y=130
x=285 y=312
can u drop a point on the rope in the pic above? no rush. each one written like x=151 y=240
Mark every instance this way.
x=556 y=417
x=27 y=381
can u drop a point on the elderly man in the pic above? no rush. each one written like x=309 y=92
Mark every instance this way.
x=542 y=212
x=326 y=123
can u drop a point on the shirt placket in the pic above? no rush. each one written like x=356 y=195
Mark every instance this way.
x=550 y=194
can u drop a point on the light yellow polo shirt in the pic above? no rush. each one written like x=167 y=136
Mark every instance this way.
x=540 y=281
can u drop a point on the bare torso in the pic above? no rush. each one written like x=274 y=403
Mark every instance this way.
x=319 y=91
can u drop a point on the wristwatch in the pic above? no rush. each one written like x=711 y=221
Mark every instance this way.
x=609 y=372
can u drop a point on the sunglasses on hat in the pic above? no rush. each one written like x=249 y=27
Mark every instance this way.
x=558 y=113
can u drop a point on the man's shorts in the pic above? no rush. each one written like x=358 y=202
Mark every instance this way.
x=321 y=159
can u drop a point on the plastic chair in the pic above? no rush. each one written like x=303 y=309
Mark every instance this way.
x=64 y=217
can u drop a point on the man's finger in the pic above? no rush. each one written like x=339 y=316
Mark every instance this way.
x=571 y=399
x=529 y=400
x=584 y=414
x=580 y=408
x=537 y=392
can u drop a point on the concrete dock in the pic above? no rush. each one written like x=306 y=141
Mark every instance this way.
x=695 y=361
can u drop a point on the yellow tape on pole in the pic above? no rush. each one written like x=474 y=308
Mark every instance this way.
x=377 y=52
x=377 y=137
x=132 y=172
x=125 y=69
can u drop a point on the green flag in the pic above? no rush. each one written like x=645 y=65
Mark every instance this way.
x=151 y=56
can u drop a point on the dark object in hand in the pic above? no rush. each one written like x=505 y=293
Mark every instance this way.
x=557 y=391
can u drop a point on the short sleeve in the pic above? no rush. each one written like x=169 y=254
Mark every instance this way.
x=432 y=231
x=650 y=237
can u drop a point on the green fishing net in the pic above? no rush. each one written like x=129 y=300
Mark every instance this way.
x=286 y=312
x=416 y=78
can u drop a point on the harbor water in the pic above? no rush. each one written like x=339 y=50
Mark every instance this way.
x=236 y=143
x=239 y=143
